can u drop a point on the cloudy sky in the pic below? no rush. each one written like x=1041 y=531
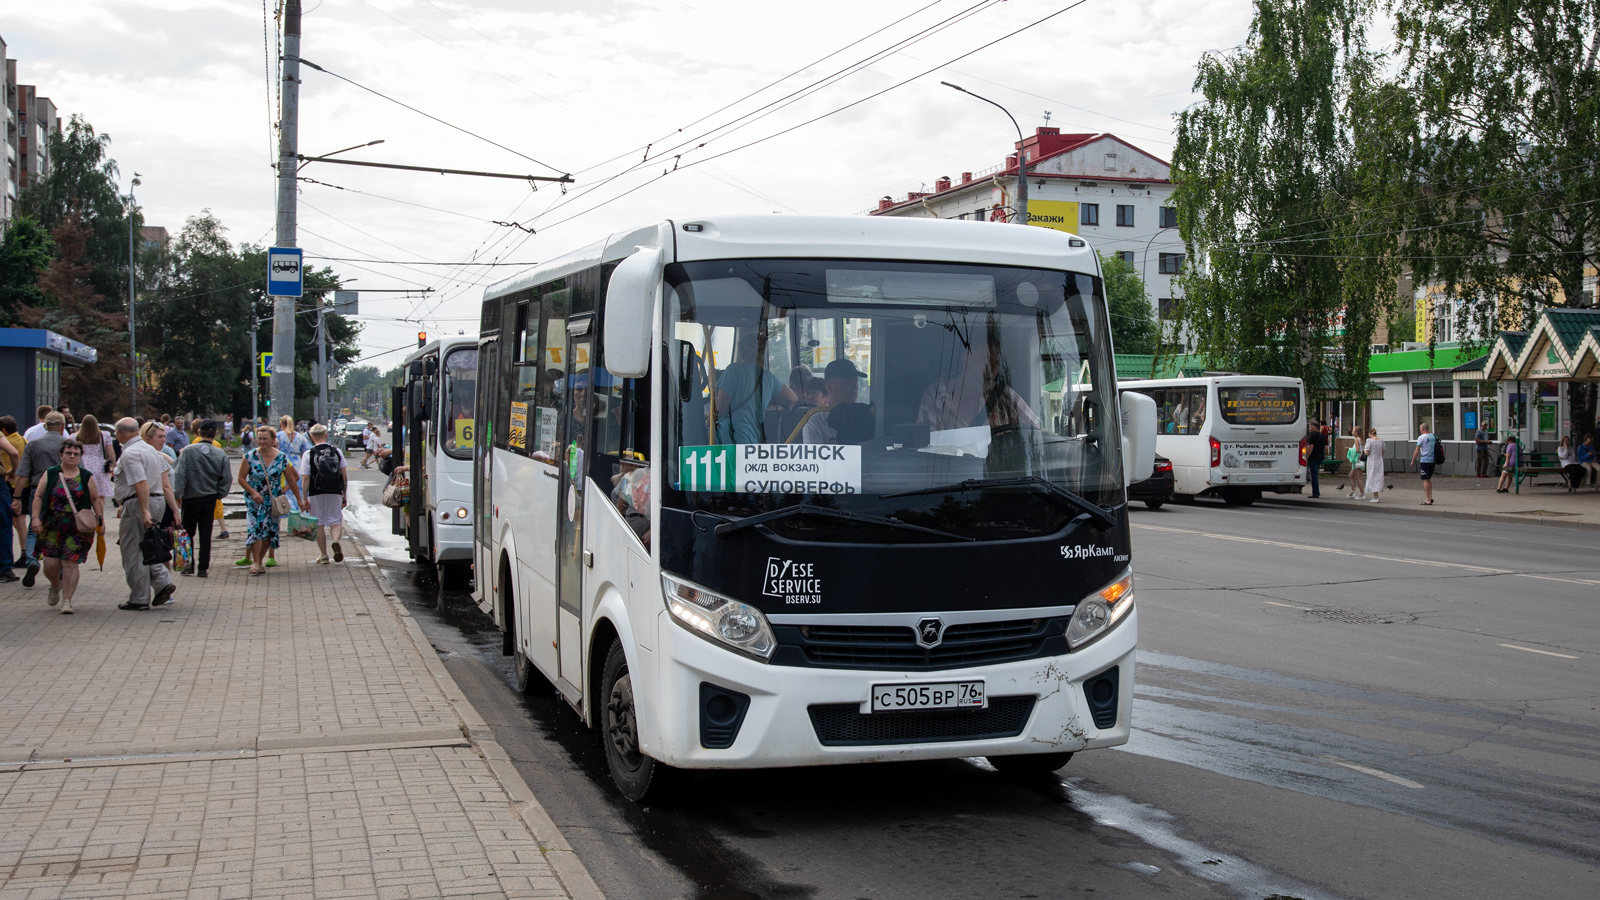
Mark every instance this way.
x=186 y=89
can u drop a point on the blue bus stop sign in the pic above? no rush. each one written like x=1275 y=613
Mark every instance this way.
x=285 y=275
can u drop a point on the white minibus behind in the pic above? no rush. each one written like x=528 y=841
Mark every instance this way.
x=1229 y=436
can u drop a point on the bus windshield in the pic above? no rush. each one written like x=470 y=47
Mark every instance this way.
x=956 y=398
x=460 y=396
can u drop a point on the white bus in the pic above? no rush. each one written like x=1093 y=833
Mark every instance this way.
x=781 y=490
x=441 y=391
x=1230 y=436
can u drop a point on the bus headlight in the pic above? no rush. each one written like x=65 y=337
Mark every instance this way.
x=1099 y=612
x=718 y=618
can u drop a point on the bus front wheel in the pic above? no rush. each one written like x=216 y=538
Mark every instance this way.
x=638 y=776
x=1030 y=764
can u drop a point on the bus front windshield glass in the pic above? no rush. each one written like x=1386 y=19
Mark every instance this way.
x=915 y=401
x=460 y=397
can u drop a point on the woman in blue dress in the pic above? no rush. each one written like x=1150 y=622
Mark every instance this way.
x=261 y=474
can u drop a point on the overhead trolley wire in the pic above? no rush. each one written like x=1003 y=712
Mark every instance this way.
x=825 y=115
x=425 y=115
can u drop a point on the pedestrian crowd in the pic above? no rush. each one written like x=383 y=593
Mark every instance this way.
x=1577 y=462
x=165 y=480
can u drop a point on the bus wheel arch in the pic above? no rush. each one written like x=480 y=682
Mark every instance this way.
x=639 y=777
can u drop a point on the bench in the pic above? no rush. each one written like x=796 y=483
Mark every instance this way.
x=1537 y=463
x=1331 y=465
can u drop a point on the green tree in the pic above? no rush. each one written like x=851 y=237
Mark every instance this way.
x=1133 y=326
x=1268 y=189
x=1506 y=211
x=24 y=253
x=74 y=308
x=202 y=293
x=81 y=186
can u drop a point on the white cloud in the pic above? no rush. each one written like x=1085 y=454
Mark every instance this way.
x=182 y=88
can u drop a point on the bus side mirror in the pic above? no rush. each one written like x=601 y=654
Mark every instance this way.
x=630 y=312
x=1138 y=437
x=418 y=405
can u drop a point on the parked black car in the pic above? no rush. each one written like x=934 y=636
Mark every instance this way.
x=1157 y=489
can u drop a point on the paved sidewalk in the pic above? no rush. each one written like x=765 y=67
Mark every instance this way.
x=1542 y=501
x=289 y=735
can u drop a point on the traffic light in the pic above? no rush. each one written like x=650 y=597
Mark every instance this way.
x=422 y=338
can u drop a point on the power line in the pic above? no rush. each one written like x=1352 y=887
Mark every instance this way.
x=751 y=117
x=435 y=118
x=415 y=262
x=825 y=115
x=450 y=212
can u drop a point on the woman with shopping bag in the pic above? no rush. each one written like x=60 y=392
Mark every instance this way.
x=66 y=512
x=261 y=473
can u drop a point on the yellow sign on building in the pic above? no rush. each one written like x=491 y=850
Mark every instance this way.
x=1061 y=215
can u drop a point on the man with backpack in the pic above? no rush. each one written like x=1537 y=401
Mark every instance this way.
x=1428 y=454
x=323 y=468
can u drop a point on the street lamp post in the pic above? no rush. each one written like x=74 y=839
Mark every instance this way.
x=133 y=353
x=1022 y=153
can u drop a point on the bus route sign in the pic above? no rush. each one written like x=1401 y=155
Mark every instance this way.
x=771 y=468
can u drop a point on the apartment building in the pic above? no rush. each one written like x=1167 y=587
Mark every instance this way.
x=12 y=166
x=1098 y=186
x=36 y=120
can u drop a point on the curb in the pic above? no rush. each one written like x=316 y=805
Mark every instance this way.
x=553 y=846
x=1395 y=510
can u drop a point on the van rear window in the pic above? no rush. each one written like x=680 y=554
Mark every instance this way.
x=1259 y=405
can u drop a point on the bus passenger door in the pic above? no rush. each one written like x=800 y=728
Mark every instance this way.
x=574 y=450
x=483 y=549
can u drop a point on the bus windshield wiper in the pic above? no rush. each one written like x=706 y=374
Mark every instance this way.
x=828 y=512
x=1095 y=510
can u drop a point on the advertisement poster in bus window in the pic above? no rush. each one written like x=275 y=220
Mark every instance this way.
x=1259 y=405
x=517 y=432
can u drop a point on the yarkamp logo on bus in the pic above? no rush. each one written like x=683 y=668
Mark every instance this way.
x=791 y=582
x=771 y=468
x=1086 y=551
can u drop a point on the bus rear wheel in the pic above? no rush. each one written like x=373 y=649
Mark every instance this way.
x=636 y=775
x=528 y=677
x=1030 y=764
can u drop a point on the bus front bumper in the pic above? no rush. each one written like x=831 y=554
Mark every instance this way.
x=452 y=542
x=778 y=728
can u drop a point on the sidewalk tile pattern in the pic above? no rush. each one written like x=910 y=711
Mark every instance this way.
x=166 y=794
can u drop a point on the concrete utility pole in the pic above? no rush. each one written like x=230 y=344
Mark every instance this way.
x=322 y=362
x=282 y=380
x=1021 y=217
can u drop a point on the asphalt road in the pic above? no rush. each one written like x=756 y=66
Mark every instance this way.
x=1329 y=705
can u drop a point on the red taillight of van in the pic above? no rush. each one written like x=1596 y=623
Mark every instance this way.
x=1216 y=452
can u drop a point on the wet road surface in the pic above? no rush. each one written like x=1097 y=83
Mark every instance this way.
x=1329 y=705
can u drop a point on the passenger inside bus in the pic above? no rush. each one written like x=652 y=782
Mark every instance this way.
x=842 y=382
x=745 y=390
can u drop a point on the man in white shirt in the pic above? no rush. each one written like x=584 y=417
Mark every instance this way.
x=142 y=489
x=37 y=431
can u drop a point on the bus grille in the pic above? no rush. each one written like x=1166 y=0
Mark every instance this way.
x=844 y=725
x=894 y=647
